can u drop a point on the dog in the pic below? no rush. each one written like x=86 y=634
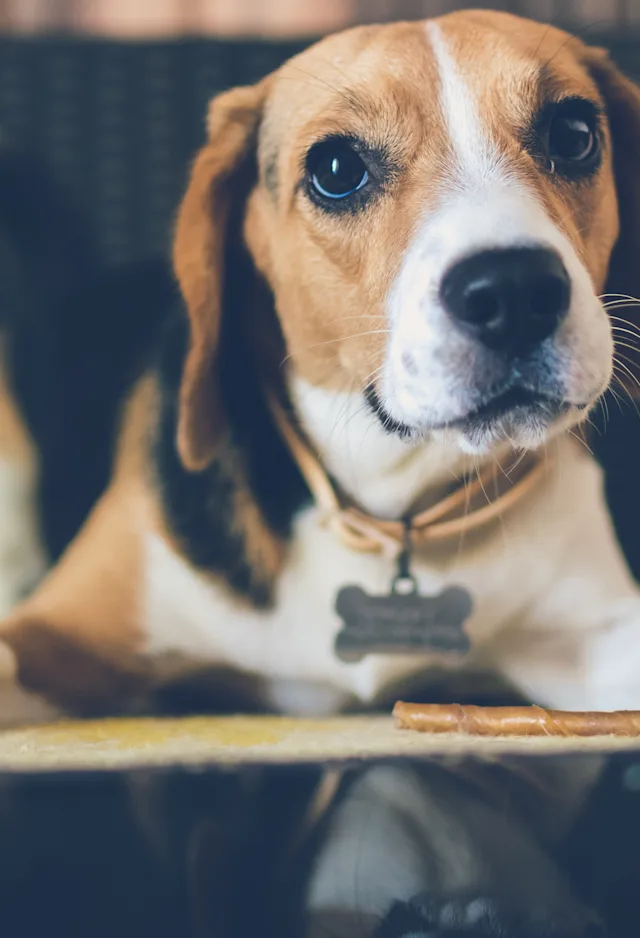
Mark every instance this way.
x=393 y=255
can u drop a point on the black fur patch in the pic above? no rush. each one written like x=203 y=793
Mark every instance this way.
x=199 y=505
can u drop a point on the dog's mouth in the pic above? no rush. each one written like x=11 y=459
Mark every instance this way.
x=515 y=405
x=516 y=402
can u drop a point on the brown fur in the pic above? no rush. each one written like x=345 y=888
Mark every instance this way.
x=78 y=640
x=198 y=259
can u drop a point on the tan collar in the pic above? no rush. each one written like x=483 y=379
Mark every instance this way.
x=466 y=509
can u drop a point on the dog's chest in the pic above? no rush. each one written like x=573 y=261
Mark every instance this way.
x=292 y=644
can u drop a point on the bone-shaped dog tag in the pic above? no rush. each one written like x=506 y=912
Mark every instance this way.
x=402 y=622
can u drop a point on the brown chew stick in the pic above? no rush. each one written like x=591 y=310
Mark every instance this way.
x=514 y=721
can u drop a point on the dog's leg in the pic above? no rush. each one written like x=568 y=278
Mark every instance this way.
x=75 y=643
x=429 y=852
x=596 y=667
x=576 y=644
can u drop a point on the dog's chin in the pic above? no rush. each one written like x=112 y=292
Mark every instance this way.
x=523 y=428
x=522 y=418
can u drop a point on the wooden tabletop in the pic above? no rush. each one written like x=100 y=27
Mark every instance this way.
x=200 y=742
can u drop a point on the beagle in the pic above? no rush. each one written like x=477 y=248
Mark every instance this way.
x=397 y=258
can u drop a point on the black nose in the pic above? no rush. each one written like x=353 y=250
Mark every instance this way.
x=510 y=300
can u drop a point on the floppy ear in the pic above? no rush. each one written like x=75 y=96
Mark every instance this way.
x=218 y=179
x=622 y=100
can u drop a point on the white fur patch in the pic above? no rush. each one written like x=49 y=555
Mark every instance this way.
x=475 y=156
x=382 y=472
x=562 y=536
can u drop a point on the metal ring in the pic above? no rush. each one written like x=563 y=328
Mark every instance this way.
x=404 y=585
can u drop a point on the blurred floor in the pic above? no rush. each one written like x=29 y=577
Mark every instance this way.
x=209 y=858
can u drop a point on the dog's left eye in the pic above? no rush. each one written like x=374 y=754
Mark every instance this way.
x=335 y=170
x=571 y=139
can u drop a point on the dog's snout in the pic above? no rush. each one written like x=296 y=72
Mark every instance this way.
x=511 y=299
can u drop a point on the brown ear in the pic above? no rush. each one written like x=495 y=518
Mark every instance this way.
x=622 y=101
x=217 y=179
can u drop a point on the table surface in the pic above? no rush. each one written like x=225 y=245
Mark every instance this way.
x=227 y=742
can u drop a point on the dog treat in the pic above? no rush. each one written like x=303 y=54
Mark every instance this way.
x=514 y=721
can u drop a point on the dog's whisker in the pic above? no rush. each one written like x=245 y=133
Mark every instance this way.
x=622 y=384
x=613 y=306
x=626 y=345
x=626 y=358
x=594 y=426
x=616 y=398
x=631 y=335
x=321 y=81
x=362 y=316
x=581 y=440
x=602 y=404
x=333 y=65
x=574 y=36
x=480 y=482
x=299 y=81
x=625 y=322
x=342 y=338
x=619 y=296
x=627 y=296
x=513 y=468
x=631 y=348
x=622 y=380
x=372 y=374
x=618 y=362
x=617 y=323
x=628 y=334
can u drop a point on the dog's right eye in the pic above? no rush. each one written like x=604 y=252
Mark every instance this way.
x=334 y=170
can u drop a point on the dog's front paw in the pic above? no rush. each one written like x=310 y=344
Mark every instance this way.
x=483 y=917
x=18 y=706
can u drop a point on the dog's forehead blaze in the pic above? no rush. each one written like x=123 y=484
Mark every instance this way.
x=510 y=68
x=391 y=71
x=387 y=82
x=506 y=63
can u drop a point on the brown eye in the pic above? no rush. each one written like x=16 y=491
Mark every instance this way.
x=572 y=139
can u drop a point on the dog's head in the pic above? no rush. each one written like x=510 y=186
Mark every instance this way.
x=435 y=207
